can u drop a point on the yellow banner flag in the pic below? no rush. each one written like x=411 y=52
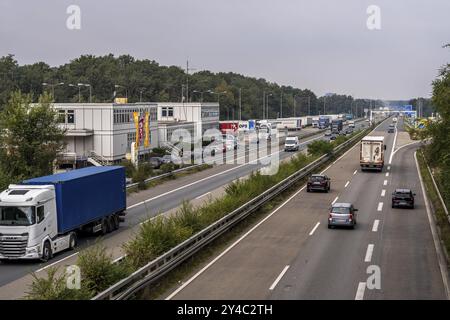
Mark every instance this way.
x=136 y=123
x=147 y=130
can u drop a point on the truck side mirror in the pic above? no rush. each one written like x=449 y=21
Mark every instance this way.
x=355 y=210
x=384 y=147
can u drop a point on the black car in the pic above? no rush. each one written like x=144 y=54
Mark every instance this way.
x=403 y=198
x=155 y=162
x=318 y=182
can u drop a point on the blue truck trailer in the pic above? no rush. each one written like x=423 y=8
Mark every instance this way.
x=324 y=122
x=44 y=215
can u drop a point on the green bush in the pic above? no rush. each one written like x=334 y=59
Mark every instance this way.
x=167 y=167
x=54 y=287
x=129 y=168
x=320 y=147
x=97 y=270
x=159 y=152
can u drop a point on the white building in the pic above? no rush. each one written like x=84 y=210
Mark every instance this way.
x=193 y=116
x=103 y=132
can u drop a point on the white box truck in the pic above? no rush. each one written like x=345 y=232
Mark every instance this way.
x=372 y=153
x=290 y=124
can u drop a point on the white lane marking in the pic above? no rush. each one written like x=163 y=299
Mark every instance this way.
x=389 y=167
x=375 y=225
x=405 y=145
x=56 y=262
x=314 y=229
x=383 y=192
x=369 y=252
x=184 y=285
x=274 y=284
x=393 y=145
x=355 y=172
x=205 y=194
x=360 y=291
x=209 y=177
x=434 y=233
x=385 y=183
x=346 y=185
x=387 y=174
x=380 y=206
x=335 y=199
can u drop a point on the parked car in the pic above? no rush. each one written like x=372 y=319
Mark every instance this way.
x=333 y=136
x=403 y=198
x=328 y=133
x=166 y=159
x=342 y=215
x=349 y=130
x=155 y=162
x=318 y=182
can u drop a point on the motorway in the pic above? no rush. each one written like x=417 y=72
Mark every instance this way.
x=147 y=204
x=291 y=254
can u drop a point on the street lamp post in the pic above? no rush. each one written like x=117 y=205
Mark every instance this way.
x=52 y=85
x=267 y=104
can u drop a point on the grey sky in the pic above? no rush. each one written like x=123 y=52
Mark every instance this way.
x=323 y=45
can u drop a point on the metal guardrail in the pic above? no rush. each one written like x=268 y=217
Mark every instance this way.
x=157 y=268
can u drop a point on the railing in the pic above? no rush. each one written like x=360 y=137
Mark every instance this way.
x=157 y=268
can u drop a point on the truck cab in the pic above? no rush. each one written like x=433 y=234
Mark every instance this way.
x=27 y=221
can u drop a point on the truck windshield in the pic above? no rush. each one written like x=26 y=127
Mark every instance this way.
x=17 y=216
x=290 y=140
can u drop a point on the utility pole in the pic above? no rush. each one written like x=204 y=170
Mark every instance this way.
x=187 y=79
x=264 y=103
x=240 y=103
x=281 y=105
x=309 y=105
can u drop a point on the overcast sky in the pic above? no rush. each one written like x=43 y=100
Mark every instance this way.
x=323 y=45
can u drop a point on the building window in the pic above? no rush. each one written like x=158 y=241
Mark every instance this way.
x=164 y=112
x=170 y=112
x=62 y=116
x=70 y=116
x=131 y=137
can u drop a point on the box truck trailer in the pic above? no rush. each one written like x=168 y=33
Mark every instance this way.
x=372 y=153
x=43 y=216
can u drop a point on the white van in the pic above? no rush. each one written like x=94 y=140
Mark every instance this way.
x=291 y=144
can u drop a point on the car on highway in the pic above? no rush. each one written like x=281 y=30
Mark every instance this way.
x=391 y=128
x=328 y=133
x=333 y=136
x=342 y=215
x=291 y=144
x=349 y=130
x=318 y=182
x=403 y=198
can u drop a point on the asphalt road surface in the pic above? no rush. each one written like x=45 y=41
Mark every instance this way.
x=292 y=254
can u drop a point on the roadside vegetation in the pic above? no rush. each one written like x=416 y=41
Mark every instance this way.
x=160 y=234
x=30 y=138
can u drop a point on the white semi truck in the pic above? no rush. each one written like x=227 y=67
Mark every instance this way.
x=372 y=153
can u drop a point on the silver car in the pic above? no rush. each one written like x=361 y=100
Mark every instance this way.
x=342 y=214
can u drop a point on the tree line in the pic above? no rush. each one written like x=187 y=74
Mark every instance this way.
x=145 y=80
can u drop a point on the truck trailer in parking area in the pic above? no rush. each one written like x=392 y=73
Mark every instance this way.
x=43 y=216
x=372 y=153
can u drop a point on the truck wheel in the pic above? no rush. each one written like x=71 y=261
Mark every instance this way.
x=46 y=252
x=115 y=222
x=105 y=226
x=72 y=241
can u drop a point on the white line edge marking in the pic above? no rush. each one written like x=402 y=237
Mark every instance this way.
x=375 y=225
x=389 y=167
x=56 y=262
x=355 y=172
x=393 y=145
x=369 y=252
x=441 y=260
x=383 y=192
x=360 y=291
x=335 y=199
x=231 y=246
x=385 y=183
x=274 y=284
x=314 y=229
x=205 y=194
x=387 y=174
x=346 y=184
x=380 y=206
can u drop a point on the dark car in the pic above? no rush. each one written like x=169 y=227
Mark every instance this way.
x=391 y=128
x=166 y=159
x=403 y=198
x=349 y=130
x=155 y=162
x=318 y=182
x=333 y=136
